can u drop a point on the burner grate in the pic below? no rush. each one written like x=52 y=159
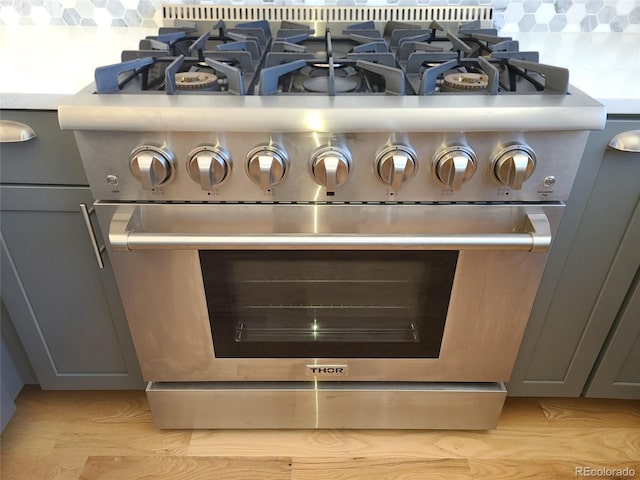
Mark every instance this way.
x=353 y=73
x=360 y=58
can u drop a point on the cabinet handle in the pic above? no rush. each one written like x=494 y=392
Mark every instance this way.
x=97 y=250
x=11 y=132
x=626 y=141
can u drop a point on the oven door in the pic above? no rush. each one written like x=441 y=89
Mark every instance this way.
x=346 y=292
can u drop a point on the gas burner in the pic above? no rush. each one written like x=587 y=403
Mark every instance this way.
x=195 y=80
x=321 y=84
x=465 y=82
x=314 y=78
x=322 y=70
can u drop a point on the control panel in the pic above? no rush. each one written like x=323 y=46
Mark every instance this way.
x=358 y=167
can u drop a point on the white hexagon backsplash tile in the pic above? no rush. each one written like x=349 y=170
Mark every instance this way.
x=545 y=13
x=626 y=7
x=576 y=13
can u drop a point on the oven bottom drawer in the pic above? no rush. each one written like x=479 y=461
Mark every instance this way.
x=371 y=405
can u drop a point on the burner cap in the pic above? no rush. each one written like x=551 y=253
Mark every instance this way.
x=322 y=69
x=195 y=80
x=321 y=84
x=466 y=81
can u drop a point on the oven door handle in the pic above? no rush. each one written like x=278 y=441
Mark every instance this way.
x=533 y=236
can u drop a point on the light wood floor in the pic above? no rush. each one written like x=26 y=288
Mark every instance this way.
x=110 y=436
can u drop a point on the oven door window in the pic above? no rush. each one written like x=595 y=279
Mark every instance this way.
x=318 y=304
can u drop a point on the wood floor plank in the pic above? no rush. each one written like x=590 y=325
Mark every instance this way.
x=116 y=424
x=185 y=468
x=508 y=443
x=41 y=467
x=520 y=469
x=379 y=469
x=522 y=411
x=52 y=404
x=310 y=443
x=568 y=470
x=576 y=444
x=532 y=469
x=591 y=412
x=23 y=436
x=81 y=405
x=121 y=440
x=123 y=408
x=570 y=412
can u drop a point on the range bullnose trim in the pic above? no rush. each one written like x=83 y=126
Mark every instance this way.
x=438 y=113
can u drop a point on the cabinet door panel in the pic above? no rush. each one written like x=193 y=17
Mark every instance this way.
x=617 y=372
x=65 y=309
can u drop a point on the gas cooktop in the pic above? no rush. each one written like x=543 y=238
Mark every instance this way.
x=361 y=58
x=340 y=104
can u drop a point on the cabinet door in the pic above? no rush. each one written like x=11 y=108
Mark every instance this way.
x=617 y=372
x=570 y=320
x=66 y=311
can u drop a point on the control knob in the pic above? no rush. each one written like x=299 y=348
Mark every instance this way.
x=267 y=166
x=513 y=165
x=455 y=166
x=330 y=167
x=209 y=166
x=151 y=165
x=395 y=165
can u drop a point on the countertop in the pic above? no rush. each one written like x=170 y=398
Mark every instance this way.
x=68 y=59
x=604 y=65
x=599 y=63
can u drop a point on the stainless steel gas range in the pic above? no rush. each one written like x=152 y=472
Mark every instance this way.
x=329 y=217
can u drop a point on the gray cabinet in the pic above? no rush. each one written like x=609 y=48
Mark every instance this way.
x=585 y=309
x=66 y=311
